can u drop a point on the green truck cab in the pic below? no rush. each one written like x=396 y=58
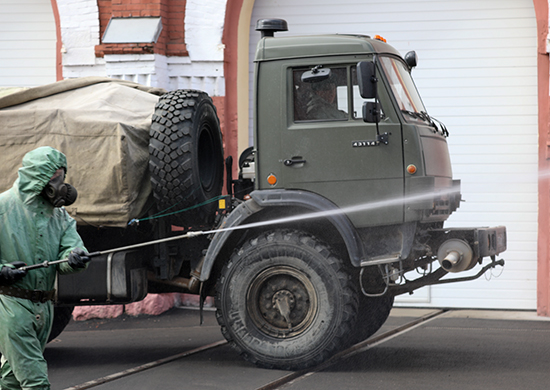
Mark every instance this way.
x=346 y=159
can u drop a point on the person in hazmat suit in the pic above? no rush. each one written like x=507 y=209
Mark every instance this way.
x=34 y=227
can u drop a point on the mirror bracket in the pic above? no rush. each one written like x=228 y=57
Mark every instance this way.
x=316 y=74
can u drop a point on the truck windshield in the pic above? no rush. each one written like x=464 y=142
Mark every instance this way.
x=403 y=87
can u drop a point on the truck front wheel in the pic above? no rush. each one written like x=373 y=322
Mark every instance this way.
x=284 y=300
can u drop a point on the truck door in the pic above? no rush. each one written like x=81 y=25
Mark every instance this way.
x=328 y=149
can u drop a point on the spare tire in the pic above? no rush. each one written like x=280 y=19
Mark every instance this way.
x=186 y=157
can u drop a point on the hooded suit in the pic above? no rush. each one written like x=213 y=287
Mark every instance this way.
x=31 y=231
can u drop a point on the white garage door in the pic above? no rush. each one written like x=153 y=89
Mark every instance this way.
x=27 y=43
x=477 y=74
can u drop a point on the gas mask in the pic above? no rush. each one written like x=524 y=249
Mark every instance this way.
x=58 y=193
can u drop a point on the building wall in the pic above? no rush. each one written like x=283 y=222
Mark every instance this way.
x=242 y=10
x=213 y=66
x=27 y=43
x=543 y=239
x=79 y=25
x=488 y=100
x=189 y=53
x=171 y=41
x=79 y=38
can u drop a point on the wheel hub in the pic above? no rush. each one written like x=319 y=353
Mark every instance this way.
x=282 y=302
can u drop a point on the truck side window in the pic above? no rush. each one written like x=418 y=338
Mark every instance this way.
x=325 y=100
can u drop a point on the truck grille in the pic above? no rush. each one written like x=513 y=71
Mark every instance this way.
x=441 y=207
x=444 y=205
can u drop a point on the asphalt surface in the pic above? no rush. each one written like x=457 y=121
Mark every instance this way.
x=455 y=350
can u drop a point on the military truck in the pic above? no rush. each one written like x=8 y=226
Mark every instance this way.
x=342 y=197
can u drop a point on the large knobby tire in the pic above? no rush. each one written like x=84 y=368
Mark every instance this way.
x=186 y=157
x=61 y=317
x=280 y=272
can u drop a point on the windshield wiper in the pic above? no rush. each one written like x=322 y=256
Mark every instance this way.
x=416 y=115
x=424 y=115
x=436 y=124
x=440 y=127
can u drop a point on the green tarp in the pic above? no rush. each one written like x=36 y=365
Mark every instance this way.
x=102 y=126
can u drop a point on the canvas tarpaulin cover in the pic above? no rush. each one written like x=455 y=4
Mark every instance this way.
x=102 y=126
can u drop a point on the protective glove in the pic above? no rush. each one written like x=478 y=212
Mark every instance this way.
x=78 y=258
x=10 y=273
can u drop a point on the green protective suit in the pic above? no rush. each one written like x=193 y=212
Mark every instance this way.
x=32 y=231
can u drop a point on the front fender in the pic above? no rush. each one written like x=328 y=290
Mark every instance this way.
x=241 y=213
x=320 y=208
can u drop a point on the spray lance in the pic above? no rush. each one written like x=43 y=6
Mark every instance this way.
x=46 y=264
x=294 y=218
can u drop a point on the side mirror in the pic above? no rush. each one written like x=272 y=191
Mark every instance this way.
x=366 y=79
x=316 y=75
x=371 y=112
x=411 y=59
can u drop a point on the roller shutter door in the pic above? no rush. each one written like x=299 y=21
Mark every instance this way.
x=477 y=74
x=27 y=43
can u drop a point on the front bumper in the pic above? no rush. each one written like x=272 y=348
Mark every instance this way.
x=484 y=241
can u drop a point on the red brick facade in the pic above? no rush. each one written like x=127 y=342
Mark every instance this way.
x=171 y=40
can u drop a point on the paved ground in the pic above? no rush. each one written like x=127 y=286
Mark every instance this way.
x=459 y=350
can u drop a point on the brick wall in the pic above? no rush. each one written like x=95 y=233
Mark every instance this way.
x=219 y=103
x=171 y=41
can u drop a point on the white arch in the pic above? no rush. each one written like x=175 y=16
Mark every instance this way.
x=204 y=23
x=80 y=34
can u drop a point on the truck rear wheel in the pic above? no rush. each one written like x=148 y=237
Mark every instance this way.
x=373 y=312
x=186 y=157
x=284 y=300
x=61 y=317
